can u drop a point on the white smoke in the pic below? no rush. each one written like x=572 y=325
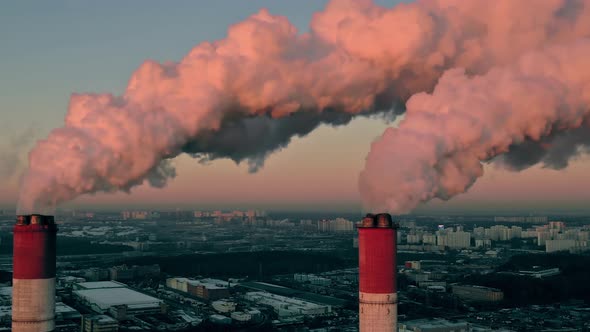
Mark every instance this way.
x=12 y=150
x=537 y=110
x=245 y=96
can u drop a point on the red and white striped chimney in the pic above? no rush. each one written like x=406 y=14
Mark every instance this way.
x=33 y=279
x=377 y=274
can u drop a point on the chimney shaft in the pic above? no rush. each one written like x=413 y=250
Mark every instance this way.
x=377 y=274
x=33 y=279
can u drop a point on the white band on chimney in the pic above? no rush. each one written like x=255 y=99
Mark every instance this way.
x=33 y=305
x=377 y=298
x=378 y=312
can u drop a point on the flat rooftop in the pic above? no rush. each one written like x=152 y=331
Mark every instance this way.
x=102 y=319
x=207 y=283
x=278 y=300
x=100 y=285
x=104 y=298
x=6 y=292
x=290 y=292
x=479 y=287
x=433 y=324
x=61 y=308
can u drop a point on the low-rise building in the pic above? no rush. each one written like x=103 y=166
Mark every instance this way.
x=312 y=279
x=207 y=289
x=433 y=325
x=101 y=297
x=241 y=317
x=179 y=284
x=224 y=306
x=286 y=306
x=478 y=293
x=99 y=323
x=540 y=274
x=219 y=319
x=65 y=312
x=415 y=265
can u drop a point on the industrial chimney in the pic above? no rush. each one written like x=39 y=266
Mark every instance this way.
x=33 y=279
x=377 y=274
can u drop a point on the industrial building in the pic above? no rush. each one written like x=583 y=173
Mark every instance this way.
x=414 y=265
x=207 y=289
x=179 y=284
x=99 y=323
x=5 y=296
x=246 y=316
x=68 y=282
x=312 y=279
x=377 y=274
x=288 y=307
x=65 y=313
x=97 y=285
x=433 y=325
x=540 y=274
x=123 y=272
x=220 y=320
x=478 y=293
x=116 y=299
x=224 y=306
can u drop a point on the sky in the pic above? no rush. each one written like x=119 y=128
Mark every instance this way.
x=52 y=49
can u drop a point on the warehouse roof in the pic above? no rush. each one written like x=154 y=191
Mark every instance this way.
x=99 y=285
x=102 y=319
x=433 y=324
x=106 y=298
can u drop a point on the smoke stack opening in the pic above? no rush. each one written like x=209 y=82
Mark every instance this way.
x=384 y=220
x=381 y=220
x=35 y=219
x=368 y=221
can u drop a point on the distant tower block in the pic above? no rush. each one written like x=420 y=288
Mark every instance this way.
x=33 y=280
x=377 y=274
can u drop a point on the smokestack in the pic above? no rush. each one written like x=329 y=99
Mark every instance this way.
x=377 y=274
x=33 y=280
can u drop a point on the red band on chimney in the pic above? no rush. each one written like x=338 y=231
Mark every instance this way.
x=34 y=251
x=377 y=268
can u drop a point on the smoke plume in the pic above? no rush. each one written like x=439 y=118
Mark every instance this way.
x=245 y=96
x=13 y=147
x=535 y=111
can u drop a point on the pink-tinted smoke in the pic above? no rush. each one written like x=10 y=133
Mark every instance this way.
x=245 y=96
x=438 y=149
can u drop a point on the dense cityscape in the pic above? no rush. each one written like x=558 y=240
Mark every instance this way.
x=259 y=271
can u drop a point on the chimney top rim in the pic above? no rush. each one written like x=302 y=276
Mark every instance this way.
x=380 y=220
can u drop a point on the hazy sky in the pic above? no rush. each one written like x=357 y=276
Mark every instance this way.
x=53 y=48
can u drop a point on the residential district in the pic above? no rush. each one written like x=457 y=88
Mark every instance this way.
x=258 y=271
